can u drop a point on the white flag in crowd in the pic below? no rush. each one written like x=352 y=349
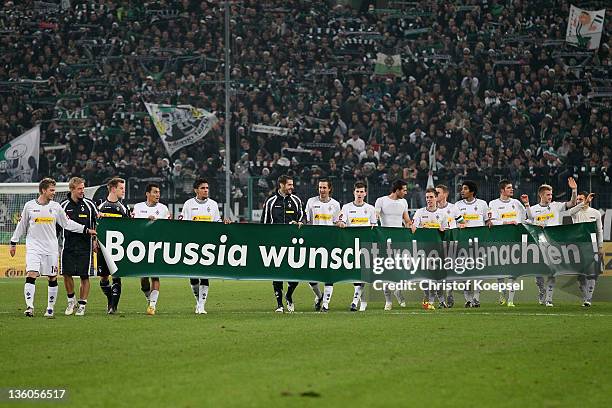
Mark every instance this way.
x=584 y=28
x=19 y=158
x=180 y=125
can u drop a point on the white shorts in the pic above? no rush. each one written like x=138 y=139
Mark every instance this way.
x=45 y=265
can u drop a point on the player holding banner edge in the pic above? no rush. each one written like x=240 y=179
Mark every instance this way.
x=358 y=213
x=151 y=209
x=392 y=211
x=38 y=220
x=545 y=214
x=322 y=210
x=76 y=255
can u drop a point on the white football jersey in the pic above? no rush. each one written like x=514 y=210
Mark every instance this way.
x=39 y=222
x=391 y=212
x=548 y=215
x=424 y=218
x=452 y=215
x=159 y=211
x=474 y=212
x=358 y=216
x=506 y=212
x=322 y=213
x=588 y=214
x=201 y=210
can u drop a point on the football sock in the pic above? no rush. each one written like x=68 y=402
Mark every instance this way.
x=467 y=295
x=290 y=289
x=106 y=289
x=432 y=296
x=583 y=287
x=541 y=288
x=195 y=289
x=388 y=295
x=449 y=294
x=203 y=294
x=278 y=292
x=328 y=290
x=29 y=289
x=550 y=287
x=52 y=294
x=116 y=292
x=399 y=296
x=511 y=291
x=145 y=286
x=153 y=298
x=504 y=293
x=441 y=295
x=590 y=287
x=357 y=294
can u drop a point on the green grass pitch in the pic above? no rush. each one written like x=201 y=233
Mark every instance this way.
x=243 y=355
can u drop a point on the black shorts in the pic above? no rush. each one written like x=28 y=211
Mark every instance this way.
x=77 y=264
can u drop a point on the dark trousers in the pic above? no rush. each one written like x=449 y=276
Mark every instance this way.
x=278 y=291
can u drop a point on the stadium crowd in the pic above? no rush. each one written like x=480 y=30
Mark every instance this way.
x=489 y=84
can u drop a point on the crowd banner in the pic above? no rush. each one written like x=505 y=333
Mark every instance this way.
x=134 y=247
x=584 y=28
x=19 y=158
x=180 y=125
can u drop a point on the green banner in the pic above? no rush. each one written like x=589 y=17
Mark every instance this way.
x=138 y=247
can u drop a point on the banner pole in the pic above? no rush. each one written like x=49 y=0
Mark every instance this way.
x=227 y=207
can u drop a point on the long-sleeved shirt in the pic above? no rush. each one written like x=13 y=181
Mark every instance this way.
x=40 y=222
x=581 y=213
x=546 y=215
x=282 y=209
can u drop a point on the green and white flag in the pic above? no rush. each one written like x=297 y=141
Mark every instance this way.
x=584 y=28
x=388 y=65
x=19 y=158
x=180 y=125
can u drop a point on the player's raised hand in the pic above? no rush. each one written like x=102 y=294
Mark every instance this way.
x=525 y=199
x=589 y=198
x=572 y=183
x=92 y=232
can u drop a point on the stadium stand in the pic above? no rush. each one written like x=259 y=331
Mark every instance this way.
x=489 y=84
